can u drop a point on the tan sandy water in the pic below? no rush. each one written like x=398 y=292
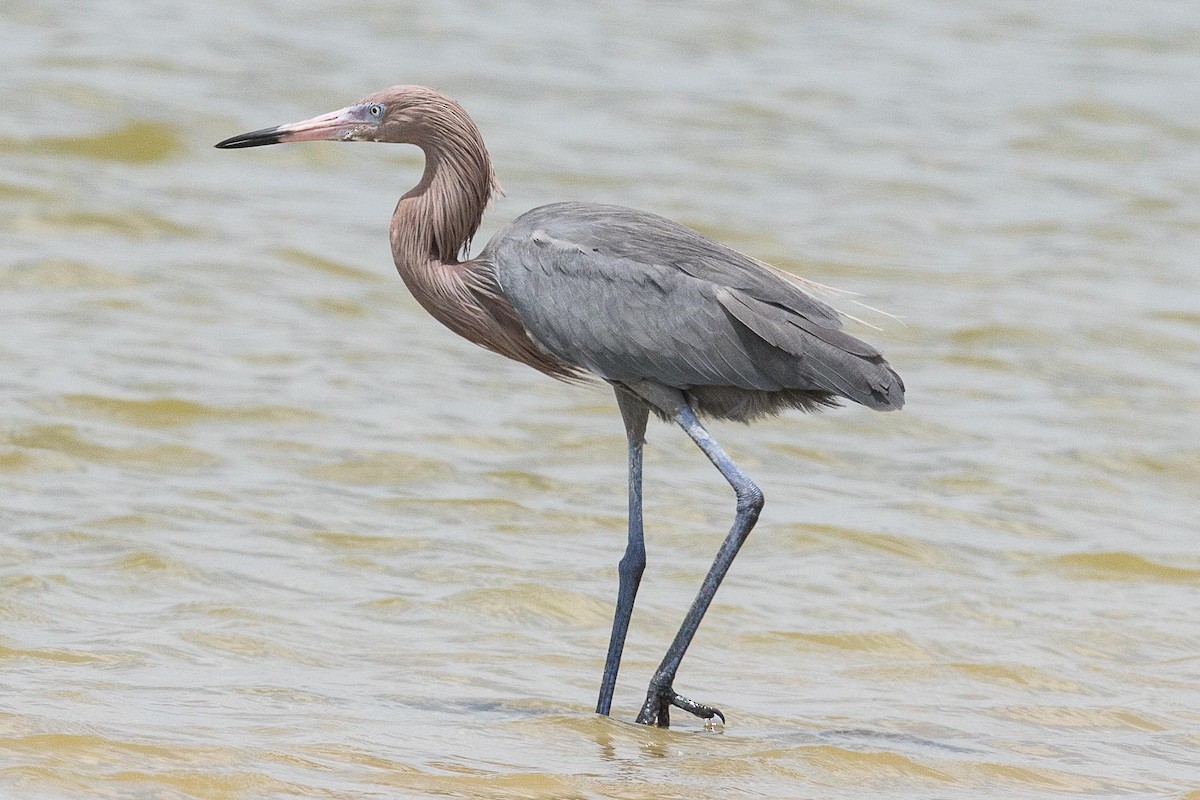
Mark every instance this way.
x=268 y=531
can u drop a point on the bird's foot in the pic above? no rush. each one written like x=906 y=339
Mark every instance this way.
x=657 y=708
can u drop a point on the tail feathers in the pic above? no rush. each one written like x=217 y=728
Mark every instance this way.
x=828 y=359
x=887 y=389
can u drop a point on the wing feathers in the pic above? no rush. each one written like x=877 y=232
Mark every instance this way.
x=782 y=320
x=832 y=360
x=631 y=296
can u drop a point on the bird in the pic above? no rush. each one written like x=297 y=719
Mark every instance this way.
x=680 y=325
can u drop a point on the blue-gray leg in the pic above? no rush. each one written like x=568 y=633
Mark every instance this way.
x=661 y=695
x=629 y=571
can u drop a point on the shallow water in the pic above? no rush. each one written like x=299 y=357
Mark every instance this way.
x=268 y=531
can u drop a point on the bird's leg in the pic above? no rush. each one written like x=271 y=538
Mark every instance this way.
x=661 y=696
x=635 y=412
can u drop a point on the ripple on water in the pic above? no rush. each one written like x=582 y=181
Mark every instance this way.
x=168 y=412
x=1179 y=465
x=1028 y=599
x=15 y=460
x=329 y=266
x=1023 y=778
x=19 y=192
x=1121 y=566
x=337 y=306
x=1077 y=717
x=460 y=781
x=1022 y=676
x=128 y=223
x=886 y=644
x=383 y=468
x=1099 y=117
x=466 y=513
x=526 y=481
x=1063 y=142
x=552 y=523
x=534 y=604
x=10 y=654
x=65 y=763
x=1000 y=335
x=136 y=142
x=145 y=563
x=340 y=541
x=71 y=447
x=1190 y=318
x=902 y=547
x=257 y=648
x=988 y=521
x=61 y=273
x=872 y=766
x=965 y=483
x=1026 y=675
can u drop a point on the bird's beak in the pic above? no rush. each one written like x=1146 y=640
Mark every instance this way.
x=352 y=123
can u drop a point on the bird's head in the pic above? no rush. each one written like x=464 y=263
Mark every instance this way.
x=399 y=114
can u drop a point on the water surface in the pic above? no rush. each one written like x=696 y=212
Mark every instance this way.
x=268 y=531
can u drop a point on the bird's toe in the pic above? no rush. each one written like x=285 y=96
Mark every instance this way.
x=657 y=708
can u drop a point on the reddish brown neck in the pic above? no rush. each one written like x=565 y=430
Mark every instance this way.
x=433 y=223
x=437 y=218
x=432 y=229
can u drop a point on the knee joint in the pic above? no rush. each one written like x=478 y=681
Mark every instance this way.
x=750 y=498
x=633 y=565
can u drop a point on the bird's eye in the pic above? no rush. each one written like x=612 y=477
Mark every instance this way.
x=376 y=110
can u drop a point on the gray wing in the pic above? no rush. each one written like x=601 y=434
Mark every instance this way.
x=633 y=296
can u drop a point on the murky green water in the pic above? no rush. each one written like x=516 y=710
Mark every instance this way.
x=268 y=531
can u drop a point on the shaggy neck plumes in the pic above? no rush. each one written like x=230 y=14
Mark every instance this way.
x=437 y=218
x=434 y=223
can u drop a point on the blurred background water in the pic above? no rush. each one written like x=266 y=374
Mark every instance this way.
x=268 y=531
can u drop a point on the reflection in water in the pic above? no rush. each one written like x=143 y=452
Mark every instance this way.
x=268 y=531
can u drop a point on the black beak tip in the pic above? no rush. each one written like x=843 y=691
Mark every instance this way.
x=252 y=139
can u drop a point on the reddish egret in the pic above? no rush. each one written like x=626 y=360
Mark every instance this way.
x=677 y=323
